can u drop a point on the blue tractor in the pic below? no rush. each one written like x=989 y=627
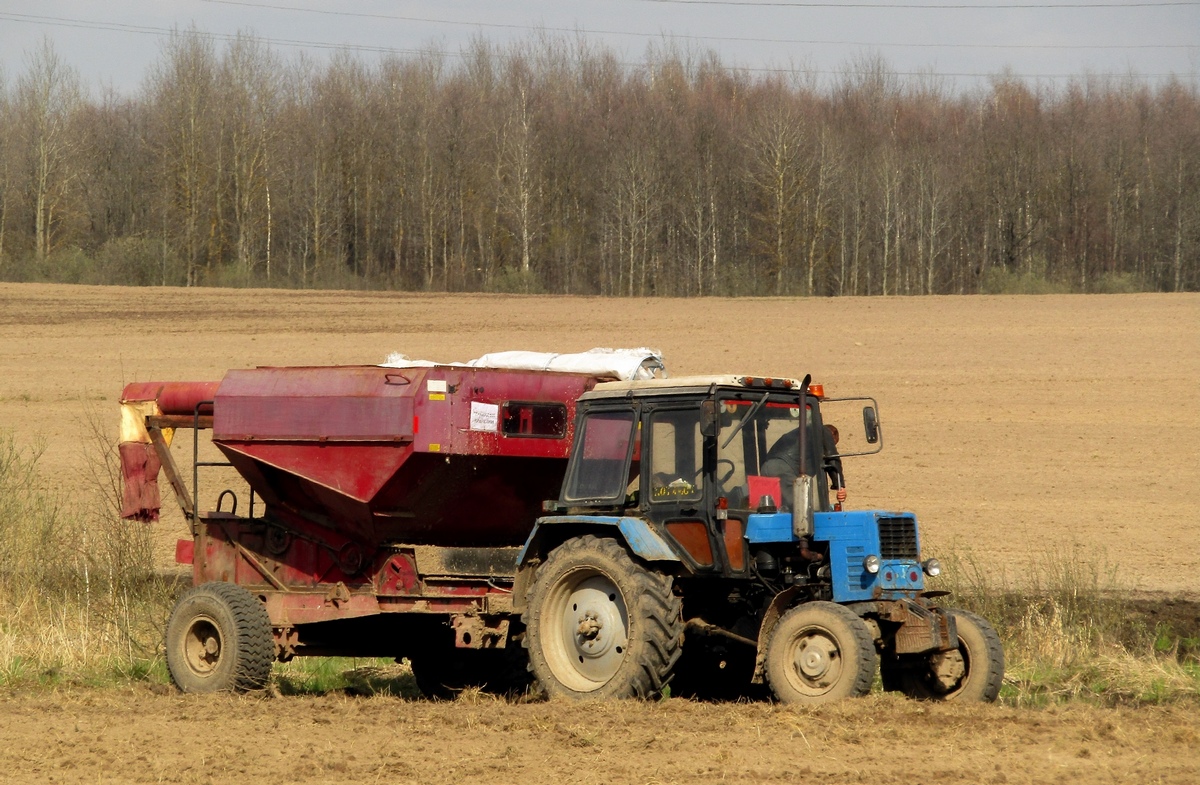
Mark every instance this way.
x=699 y=534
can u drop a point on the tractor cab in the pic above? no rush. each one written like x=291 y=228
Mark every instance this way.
x=711 y=465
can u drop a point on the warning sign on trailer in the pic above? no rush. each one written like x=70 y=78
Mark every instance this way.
x=485 y=416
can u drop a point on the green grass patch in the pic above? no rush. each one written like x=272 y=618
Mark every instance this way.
x=352 y=676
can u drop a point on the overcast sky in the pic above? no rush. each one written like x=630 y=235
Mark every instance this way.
x=113 y=42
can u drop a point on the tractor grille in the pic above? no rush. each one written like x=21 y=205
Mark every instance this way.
x=898 y=538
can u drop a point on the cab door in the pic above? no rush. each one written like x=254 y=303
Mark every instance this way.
x=676 y=479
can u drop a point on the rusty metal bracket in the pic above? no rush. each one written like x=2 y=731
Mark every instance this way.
x=337 y=594
x=479 y=632
x=257 y=565
x=287 y=640
x=252 y=559
x=922 y=628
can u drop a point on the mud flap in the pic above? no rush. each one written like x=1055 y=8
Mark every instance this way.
x=922 y=629
x=779 y=603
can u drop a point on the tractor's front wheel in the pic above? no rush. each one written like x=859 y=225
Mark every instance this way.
x=219 y=640
x=820 y=652
x=599 y=625
x=973 y=672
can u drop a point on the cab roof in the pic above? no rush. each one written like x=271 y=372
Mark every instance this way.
x=689 y=384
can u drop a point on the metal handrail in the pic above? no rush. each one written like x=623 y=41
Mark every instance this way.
x=197 y=463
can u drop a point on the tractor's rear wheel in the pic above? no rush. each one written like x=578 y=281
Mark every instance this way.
x=972 y=673
x=219 y=640
x=599 y=625
x=820 y=652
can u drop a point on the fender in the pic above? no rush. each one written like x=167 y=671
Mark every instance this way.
x=637 y=535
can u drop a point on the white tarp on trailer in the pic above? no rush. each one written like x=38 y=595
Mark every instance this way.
x=623 y=364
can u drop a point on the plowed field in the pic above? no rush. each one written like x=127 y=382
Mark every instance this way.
x=1014 y=426
x=134 y=736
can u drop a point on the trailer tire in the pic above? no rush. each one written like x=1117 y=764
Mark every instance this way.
x=600 y=625
x=219 y=639
x=820 y=652
x=982 y=666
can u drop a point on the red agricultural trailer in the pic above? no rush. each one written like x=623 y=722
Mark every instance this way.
x=386 y=510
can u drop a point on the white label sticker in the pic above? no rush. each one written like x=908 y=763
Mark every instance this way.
x=485 y=416
x=436 y=385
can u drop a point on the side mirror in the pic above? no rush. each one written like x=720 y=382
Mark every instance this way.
x=708 y=419
x=871 y=424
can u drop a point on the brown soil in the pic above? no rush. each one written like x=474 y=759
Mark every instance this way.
x=136 y=736
x=1015 y=426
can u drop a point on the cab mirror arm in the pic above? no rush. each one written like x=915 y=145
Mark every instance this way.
x=708 y=419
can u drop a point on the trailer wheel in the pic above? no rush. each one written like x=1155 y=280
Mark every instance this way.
x=820 y=652
x=219 y=640
x=972 y=673
x=599 y=625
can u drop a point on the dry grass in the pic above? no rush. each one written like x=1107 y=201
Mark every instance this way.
x=81 y=604
x=79 y=600
x=1071 y=633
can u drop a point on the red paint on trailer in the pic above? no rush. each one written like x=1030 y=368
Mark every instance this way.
x=172 y=397
x=340 y=446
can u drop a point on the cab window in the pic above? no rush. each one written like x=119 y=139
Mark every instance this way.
x=676 y=456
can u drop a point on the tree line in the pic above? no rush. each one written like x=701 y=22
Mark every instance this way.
x=552 y=166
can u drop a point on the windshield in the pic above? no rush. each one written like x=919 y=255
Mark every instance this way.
x=758 y=450
x=600 y=465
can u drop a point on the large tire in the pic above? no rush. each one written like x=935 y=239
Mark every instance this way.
x=599 y=625
x=974 y=673
x=820 y=652
x=441 y=674
x=219 y=640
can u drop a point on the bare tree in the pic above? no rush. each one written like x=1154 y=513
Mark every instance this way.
x=48 y=95
x=550 y=164
x=777 y=166
x=5 y=165
x=249 y=86
x=182 y=89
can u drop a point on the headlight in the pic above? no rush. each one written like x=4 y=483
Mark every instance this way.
x=932 y=567
x=871 y=564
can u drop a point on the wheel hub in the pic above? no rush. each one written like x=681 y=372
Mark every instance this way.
x=813 y=659
x=202 y=646
x=593 y=631
x=597 y=614
x=589 y=627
